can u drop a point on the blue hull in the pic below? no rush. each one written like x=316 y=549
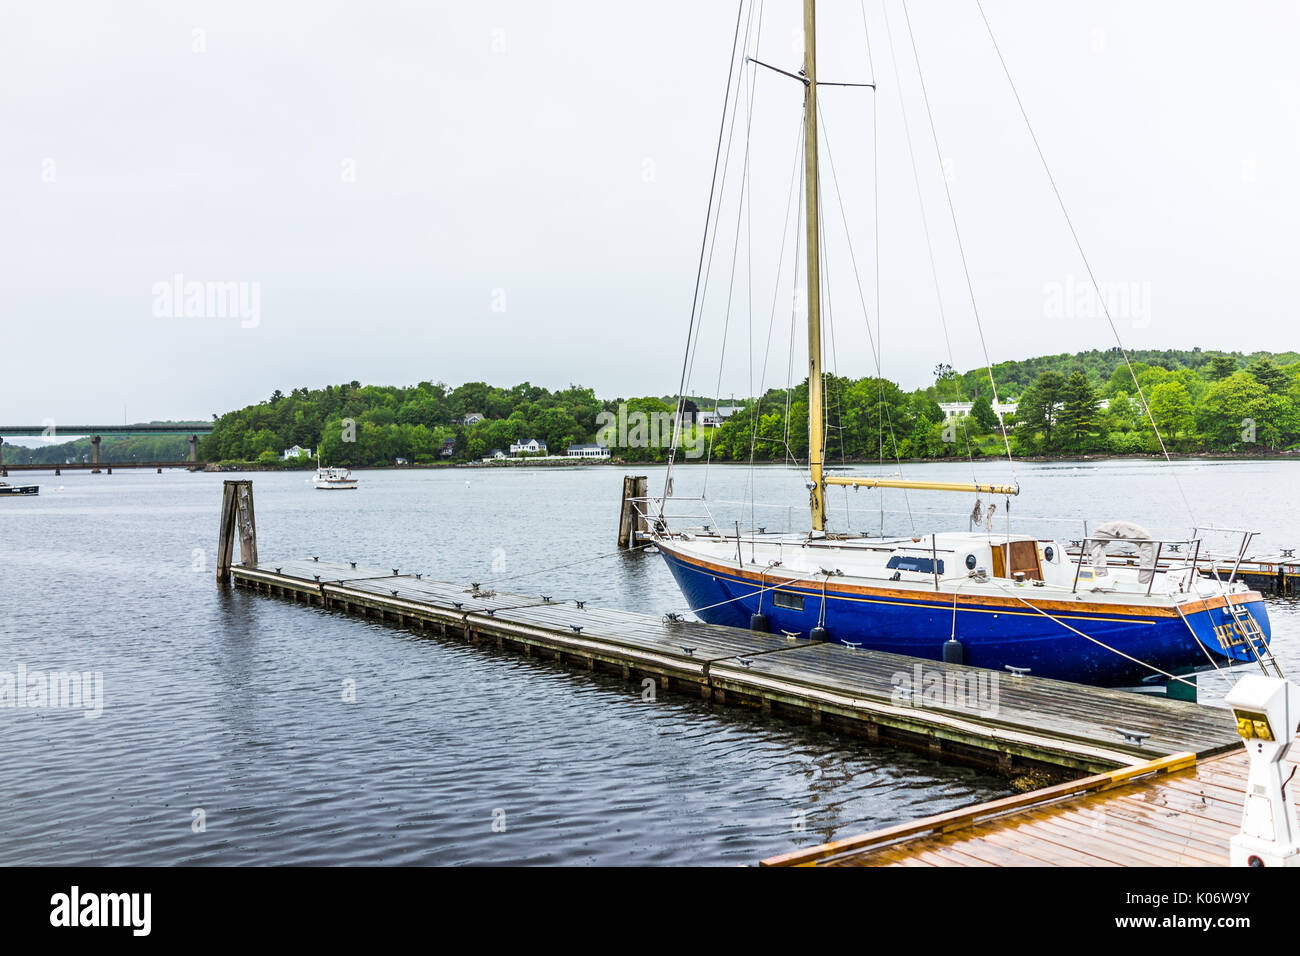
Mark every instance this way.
x=993 y=634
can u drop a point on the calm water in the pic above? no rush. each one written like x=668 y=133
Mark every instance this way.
x=232 y=703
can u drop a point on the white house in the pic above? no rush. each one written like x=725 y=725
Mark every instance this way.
x=588 y=451
x=529 y=446
x=295 y=452
x=496 y=454
x=714 y=418
x=953 y=410
x=472 y=418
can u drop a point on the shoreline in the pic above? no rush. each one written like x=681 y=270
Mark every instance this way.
x=621 y=463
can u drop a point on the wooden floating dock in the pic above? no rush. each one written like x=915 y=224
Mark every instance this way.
x=1036 y=723
x=1176 y=811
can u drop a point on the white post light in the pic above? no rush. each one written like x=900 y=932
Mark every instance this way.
x=1267 y=711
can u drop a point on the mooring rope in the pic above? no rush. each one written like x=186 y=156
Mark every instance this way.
x=1102 y=644
x=741 y=597
x=560 y=567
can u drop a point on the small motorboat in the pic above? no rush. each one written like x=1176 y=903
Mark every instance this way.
x=8 y=489
x=331 y=479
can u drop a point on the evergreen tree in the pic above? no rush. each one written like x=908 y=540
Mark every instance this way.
x=1221 y=366
x=1078 y=410
x=983 y=416
x=1269 y=374
x=1040 y=407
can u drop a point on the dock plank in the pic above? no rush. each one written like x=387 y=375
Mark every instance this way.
x=1185 y=817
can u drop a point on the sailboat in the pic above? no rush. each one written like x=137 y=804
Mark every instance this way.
x=981 y=597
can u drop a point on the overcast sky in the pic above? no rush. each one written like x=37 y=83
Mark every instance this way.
x=514 y=191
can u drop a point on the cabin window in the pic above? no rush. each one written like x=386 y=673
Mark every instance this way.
x=786 y=599
x=901 y=562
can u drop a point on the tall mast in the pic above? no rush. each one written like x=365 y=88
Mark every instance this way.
x=811 y=204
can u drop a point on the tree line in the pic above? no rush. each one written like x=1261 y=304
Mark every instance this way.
x=1086 y=403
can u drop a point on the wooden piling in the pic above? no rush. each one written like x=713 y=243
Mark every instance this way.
x=631 y=521
x=236 y=515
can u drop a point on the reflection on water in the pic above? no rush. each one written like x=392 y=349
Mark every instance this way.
x=234 y=704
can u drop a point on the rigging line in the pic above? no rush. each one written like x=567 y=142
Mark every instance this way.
x=883 y=413
x=699 y=269
x=827 y=329
x=756 y=414
x=749 y=267
x=961 y=248
x=875 y=250
x=741 y=205
x=794 y=312
x=1078 y=244
x=836 y=383
x=925 y=223
x=713 y=243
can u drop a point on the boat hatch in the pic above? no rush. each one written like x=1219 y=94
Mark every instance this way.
x=900 y=562
x=1017 y=557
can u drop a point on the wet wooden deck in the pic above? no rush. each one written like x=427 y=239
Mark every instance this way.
x=1178 y=811
x=1006 y=722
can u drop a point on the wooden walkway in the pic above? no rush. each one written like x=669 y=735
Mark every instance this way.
x=983 y=717
x=1177 y=811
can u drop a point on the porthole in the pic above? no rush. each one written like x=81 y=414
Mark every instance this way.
x=970 y=562
x=1049 y=553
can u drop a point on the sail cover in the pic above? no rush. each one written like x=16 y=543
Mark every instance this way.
x=1117 y=532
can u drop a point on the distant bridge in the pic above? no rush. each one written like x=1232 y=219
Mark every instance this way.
x=77 y=431
x=95 y=432
x=95 y=467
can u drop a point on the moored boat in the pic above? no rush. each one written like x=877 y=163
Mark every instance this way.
x=988 y=598
x=1002 y=602
x=334 y=479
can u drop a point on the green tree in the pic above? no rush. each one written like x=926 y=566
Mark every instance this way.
x=983 y=415
x=1171 y=407
x=1221 y=366
x=1078 y=416
x=1238 y=410
x=1269 y=374
x=1039 y=408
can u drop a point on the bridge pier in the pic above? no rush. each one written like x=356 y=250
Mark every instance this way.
x=94 y=454
x=4 y=472
x=194 y=447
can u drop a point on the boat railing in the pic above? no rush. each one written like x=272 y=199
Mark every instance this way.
x=654 y=511
x=1159 y=544
x=1247 y=536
